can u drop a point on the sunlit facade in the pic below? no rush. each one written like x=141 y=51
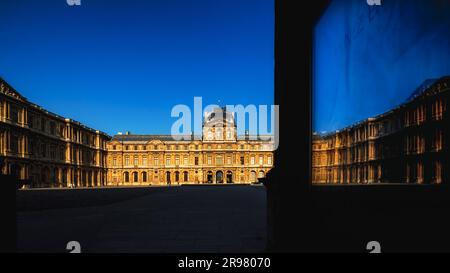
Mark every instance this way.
x=408 y=144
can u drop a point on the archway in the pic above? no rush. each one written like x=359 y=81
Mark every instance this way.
x=209 y=177
x=219 y=177
x=185 y=176
x=168 y=178
x=144 y=177
x=135 y=177
x=126 y=177
x=261 y=174
x=229 y=177
x=177 y=176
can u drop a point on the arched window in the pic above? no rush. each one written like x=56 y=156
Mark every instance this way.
x=144 y=177
x=253 y=176
x=261 y=174
x=135 y=177
x=186 y=176
x=126 y=177
x=177 y=176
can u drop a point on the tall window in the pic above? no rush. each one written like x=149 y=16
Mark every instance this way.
x=261 y=160
x=229 y=160
x=144 y=161
x=196 y=161
x=136 y=161
x=209 y=160
x=168 y=161
x=219 y=160
x=144 y=177
x=252 y=160
x=242 y=160
x=269 y=160
x=177 y=160
x=114 y=161
x=186 y=160
x=156 y=161
x=127 y=161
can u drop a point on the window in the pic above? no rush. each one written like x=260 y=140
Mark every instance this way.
x=144 y=148
x=269 y=160
x=15 y=143
x=126 y=147
x=30 y=121
x=261 y=160
x=14 y=113
x=136 y=161
x=126 y=177
x=168 y=161
x=242 y=160
x=229 y=160
x=186 y=160
x=127 y=161
x=144 y=161
x=136 y=147
x=114 y=161
x=252 y=160
x=43 y=126
x=156 y=161
x=114 y=147
x=177 y=160
x=44 y=150
x=209 y=160
x=196 y=161
x=219 y=160
x=52 y=128
x=144 y=177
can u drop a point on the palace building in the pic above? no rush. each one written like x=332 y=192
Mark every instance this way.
x=218 y=156
x=47 y=149
x=52 y=151
x=408 y=144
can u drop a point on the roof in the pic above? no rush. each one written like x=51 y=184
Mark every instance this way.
x=148 y=138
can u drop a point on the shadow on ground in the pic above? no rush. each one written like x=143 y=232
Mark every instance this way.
x=199 y=219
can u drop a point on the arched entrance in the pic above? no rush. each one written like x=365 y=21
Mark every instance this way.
x=185 y=176
x=219 y=177
x=168 y=178
x=177 y=177
x=261 y=174
x=209 y=177
x=126 y=177
x=135 y=177
x=229 y=177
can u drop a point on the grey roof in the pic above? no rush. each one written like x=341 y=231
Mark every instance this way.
x=148 y=138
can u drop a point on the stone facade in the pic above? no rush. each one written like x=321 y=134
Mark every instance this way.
x=47 y=149
x=218 y=156
x=408 y=144
x=52 y=151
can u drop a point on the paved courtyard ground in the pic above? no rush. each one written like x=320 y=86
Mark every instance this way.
x=203 y=219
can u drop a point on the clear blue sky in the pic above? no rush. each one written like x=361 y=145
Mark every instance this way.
x=118 y=65
x=370 y=59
